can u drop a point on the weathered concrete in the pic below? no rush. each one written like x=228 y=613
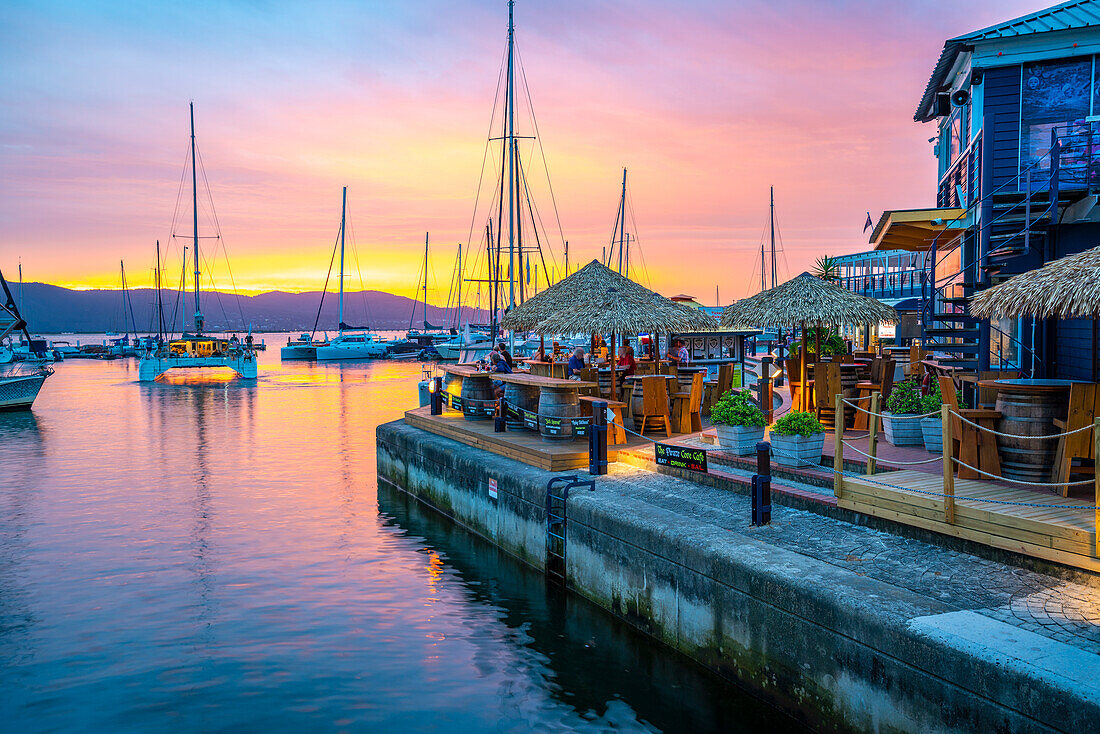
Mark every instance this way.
x=846 y=626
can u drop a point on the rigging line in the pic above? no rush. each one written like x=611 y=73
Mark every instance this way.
x=355 y=254
x=641 y=252
x=218 y=230
x=412 y=314
x=538 y=138
x=782 y=249
x=324 y=290
x=536 y=215
x=214 y=288
x=485 y=153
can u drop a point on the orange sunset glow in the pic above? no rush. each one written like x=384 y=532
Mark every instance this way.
x=706 y=104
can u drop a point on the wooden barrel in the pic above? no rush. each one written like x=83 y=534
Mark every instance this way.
x=1028 y=414
x=604 y=379
x=556 y=407
x=475 y=392
x=522 y=396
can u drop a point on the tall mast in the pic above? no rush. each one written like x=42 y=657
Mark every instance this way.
x=567 y=258
x=22 y=302
x=183 y=290
x=763 y=271
x=195 y=222
x=622 y=222
x=160 y=300
x=510 y=103
x=626 y=270
x=494 y=281
x=771 y=217
x=458 y=298
x=126 y=302
x=424 y=307
x=343 y=222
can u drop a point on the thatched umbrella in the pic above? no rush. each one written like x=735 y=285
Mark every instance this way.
x=596 y=299
x=1067 y=288
x=803 y=300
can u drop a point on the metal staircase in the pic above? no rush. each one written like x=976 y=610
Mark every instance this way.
x=1000 y=233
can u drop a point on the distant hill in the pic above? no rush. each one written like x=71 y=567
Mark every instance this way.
x=50 y=309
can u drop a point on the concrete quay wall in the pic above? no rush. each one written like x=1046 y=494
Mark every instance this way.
x=835 y=649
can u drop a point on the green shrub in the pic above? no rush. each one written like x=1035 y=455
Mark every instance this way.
x=904 y=399
x=932 y=402
x=737 y=409
x=831 y=342
x=796 y=423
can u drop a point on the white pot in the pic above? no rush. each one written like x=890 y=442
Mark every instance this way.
x=741 y=440
x=932 y=428
x=798 y=451
x=902 y=430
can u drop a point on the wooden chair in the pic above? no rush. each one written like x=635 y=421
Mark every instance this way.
x=970 y=445
x=645 y=368
x=686 y=407
x=1084 y=407
x=654 y=404
x=881 y=382
x=589 y=374
x=714 y=389
x=845 y=359
x=826 y=387
x=916 y=354
x=616 y=431
x=794 y=386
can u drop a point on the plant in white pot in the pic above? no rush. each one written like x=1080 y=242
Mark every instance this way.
x=899 y=418
x=738 y=421
x=932 y=426
x=798 y=439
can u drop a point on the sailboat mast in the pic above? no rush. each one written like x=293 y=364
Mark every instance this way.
x=763 y=271
x=771 y=218
x=126 y=302
x=160 y=300
x=567 y=258
x=343 y=222
x=622 y=222
x=424 y=306
x=195 y=221
x=458 y=298
x=510 y=103
x=626 y=270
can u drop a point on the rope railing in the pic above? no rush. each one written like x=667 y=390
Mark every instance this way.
x=1000 y=478
x=1021 y=435
x=891 y=416
x=893 y=462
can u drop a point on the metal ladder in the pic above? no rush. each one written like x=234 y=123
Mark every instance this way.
x=557 y=496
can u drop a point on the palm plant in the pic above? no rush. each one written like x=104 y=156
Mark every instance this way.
x=827 y=268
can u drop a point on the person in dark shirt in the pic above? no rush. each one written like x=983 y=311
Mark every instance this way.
x=503 y=351
x=576 y=363
x=497 y=364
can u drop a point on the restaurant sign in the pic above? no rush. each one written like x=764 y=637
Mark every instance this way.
x=681 y=457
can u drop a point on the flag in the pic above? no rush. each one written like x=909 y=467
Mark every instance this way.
x=868 y=223
x=528 y=271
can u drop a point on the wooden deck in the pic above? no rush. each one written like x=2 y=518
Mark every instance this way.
x=1053 y=533
x=522 y=445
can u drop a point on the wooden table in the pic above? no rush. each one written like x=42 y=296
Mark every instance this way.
x=557 y=401
x=546 y=369
x=475 y=392
x=1028 y=408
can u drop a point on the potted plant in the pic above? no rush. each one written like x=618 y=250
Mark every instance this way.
x=798 y=439
x=738 y=422
x=904 y=400
x=932 y=426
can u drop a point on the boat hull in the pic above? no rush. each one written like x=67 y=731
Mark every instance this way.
x=150 y=368
x=298 y=351
x=18 y=393
x=370 y=350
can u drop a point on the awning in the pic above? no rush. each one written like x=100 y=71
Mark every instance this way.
x=909 y=303
x=915 y=229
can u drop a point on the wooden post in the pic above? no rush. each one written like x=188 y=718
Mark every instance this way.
x=614 y=394
x=838 y=446
x=872 y=443
x=804 y=395
x=948 y=467
x=1096 y=498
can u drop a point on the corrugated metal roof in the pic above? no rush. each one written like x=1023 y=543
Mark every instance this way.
x=1064 y=16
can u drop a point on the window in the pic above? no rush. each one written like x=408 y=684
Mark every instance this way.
x=1053 y=93
x=1004 y=343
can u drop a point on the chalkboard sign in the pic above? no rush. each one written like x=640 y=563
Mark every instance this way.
x=681 y=457
x=552 y=426
x=580 y=426
x=456 y=403
x=530 y=419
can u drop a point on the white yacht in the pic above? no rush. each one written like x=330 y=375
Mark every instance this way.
x=19 y=384
x=362 y=345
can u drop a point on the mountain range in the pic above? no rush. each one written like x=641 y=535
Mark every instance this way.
x=51 y=309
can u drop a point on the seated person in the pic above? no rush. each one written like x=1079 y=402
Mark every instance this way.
x=503 y=350
x=626 y=359
x=498 y=365
x=576 y=363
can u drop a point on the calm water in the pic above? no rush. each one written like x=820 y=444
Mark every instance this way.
x=217 y=556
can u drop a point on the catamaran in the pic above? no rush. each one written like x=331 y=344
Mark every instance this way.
x=198 y=349
x=19 y=386
x=350 y=345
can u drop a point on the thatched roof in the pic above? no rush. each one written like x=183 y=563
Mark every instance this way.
x=596 y=299
x=1067 y=288
x=808 y=299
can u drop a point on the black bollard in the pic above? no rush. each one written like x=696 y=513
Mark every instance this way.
x=597 y=439
x=762 y=485
x=435 y=392
x=765 y=387
x=500 y=416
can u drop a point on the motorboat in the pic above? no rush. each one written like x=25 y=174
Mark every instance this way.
x=304 y=347
x=19 y=384
x=363 y=345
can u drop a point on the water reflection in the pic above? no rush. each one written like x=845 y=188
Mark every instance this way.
x=188 y=556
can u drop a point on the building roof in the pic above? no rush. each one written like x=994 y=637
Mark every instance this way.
x=1064 y=16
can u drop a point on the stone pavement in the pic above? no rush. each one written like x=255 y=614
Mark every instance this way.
x=1063 y=607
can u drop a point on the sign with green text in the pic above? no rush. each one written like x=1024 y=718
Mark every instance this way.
x=681 y=457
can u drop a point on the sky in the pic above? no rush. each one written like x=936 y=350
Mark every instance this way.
x=706 y=103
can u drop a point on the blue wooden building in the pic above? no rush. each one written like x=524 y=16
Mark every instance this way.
x=1017 y=114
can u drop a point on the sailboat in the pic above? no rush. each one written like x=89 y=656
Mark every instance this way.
x=18 y=389
x=348 y=344
x=198 y=349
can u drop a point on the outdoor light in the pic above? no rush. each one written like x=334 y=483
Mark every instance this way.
x=435 y=388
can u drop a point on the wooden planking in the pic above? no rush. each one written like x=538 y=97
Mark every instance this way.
x=1053 y=533
x=522 y=445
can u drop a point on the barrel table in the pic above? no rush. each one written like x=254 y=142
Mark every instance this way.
x=603 y=375
x=521 y=396
x=557 y=402
x=476 y=390
x=1028 y=407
